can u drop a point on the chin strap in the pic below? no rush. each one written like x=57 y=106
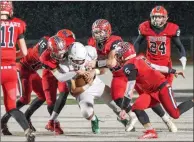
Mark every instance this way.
x=183 y=60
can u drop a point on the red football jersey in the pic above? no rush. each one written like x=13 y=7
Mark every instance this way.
x=32 y=60
x=159 y=44
x=147 y=78
x=104 y=49
x=11 y=30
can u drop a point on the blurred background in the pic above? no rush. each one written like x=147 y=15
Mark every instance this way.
x=46 y=18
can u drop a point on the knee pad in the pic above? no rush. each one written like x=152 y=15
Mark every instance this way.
x=86 y=109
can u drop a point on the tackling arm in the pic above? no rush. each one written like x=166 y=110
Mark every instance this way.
x=131 y=73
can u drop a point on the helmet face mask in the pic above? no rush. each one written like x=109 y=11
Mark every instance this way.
x=57 y=47
x=6 y=8
x=101 y=30
x=158 y=16
x=158 y=21
x=99 y=35
x=77 y=55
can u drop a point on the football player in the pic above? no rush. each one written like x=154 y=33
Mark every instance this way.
x=159 y=33
x=50 y=89
x=12 y=33
x=140 y=72
x=95 y=88
x=106 y=45
x=30 y=79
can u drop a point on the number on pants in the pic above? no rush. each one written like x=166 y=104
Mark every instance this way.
x=154 y=46
x=3 y=36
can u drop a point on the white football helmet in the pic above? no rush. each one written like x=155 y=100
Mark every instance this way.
x=77 y=55
x=92 y=53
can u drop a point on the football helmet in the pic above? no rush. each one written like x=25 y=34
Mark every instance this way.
x=67 y=35
x=6 y=8
x=159 y=16
x=101 y=30
x=124 y=51
x=58 y=48
x=77 y=55
x=91 y=53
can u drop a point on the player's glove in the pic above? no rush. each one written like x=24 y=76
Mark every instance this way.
x=183 y=61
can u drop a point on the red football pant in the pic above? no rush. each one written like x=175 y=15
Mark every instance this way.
x=118 y=87
x=50 y=85
x=9 y=86
x=31 y=81
x=165 y=96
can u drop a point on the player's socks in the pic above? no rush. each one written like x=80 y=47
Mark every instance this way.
x=132 y=121
x=158 y=110
x=36 y=103
x=50 y=108
x=185 y=106
x=7 y=116
x=171 y=126
x=54 y=116
x=95 y=125
x=20 y=118
x=61 y=101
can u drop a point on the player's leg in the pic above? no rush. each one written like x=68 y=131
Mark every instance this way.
x=166 y=96
x=36 y=82
x=9 y=85
x=25 y=75
x=143 y=102
x=59 y=104
x=118 y=87
x=49 y=83
x=86 y=104
x=166 y=119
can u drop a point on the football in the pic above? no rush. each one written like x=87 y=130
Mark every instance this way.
x=80 y=81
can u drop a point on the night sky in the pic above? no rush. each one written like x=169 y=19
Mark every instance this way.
x=48 y=17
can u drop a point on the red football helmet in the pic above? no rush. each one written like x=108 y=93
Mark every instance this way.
x=159 y=16
x=124 y=51
x=6 y=8
x=101 y=30
x=67 y=35
x=57 y=47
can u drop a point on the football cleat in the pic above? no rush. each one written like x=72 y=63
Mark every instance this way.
x=125 y=123
x=57 y=128
x=131 y=123
x=149 y=134
x=95 y=126
x=30 y=135
x=50 y=126
x=171 y=126
x=5 y=130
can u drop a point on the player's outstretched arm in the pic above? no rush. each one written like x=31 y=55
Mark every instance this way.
x=164 y=69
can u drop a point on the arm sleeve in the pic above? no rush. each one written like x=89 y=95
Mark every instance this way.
x=163 y=69
x=131 y=74
x=176 y=40
x=137 y=42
